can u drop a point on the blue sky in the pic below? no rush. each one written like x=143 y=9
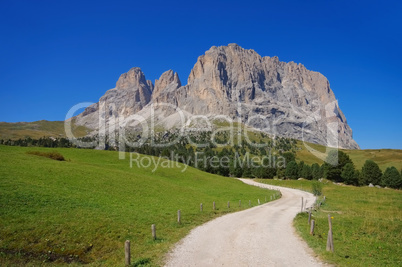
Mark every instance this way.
x=55 y=54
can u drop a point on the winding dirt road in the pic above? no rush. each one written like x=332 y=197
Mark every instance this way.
x=259 y=236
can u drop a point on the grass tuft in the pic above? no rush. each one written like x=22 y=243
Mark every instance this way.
x=316 y=188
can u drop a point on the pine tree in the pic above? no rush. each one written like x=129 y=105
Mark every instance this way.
x=316 y=171
x=371 y=173
x=359 y=178
x=336 y=161
x=349 y=175
x=235 y=169
x=391 y=178
x=306 y=172
x=269 y=172
x=292 y=170
x=247 y=172
x=289 y=156
x=300 y=169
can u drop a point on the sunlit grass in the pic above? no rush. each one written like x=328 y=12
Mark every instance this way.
x=83 y=209
x=367 y=224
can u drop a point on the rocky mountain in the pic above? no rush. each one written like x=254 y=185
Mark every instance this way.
x=230 y=83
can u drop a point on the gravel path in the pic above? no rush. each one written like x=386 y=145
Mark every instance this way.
x=259 y=236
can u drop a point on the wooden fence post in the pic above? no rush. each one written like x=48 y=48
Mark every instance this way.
x=309 y=216
x=312 y=227
x=258 y=201
x=330 y=241
x=214 y=207
x=127 y=253
x=179 y=216
x=228 y=204
x=153 y=232
x=201 y=207
x=301 y=210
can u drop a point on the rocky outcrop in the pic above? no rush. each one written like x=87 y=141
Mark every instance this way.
x=166 y=86
x=279 y=98
x=131 y=94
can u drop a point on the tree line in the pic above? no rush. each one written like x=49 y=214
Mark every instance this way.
x=340 y=168
x=244 y=159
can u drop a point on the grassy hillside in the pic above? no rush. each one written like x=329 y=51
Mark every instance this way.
x=383 y=157
x=37 y=129
x=83 y=209
x=367 y=224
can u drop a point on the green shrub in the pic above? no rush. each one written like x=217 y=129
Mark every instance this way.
x=51 y=155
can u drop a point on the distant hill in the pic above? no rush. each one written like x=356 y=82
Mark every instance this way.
x=383 y=157
x=38 y=129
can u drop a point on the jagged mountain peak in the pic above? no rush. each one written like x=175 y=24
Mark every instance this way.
x=167 y=78
x=281 y=98
x=134 y=78
x=165 y=86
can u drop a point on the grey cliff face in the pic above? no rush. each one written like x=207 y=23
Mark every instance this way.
x=131 y=94
x=166 y=86
x=279 y=98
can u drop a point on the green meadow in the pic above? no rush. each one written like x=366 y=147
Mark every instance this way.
x=367 y=224
x=81 y=210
